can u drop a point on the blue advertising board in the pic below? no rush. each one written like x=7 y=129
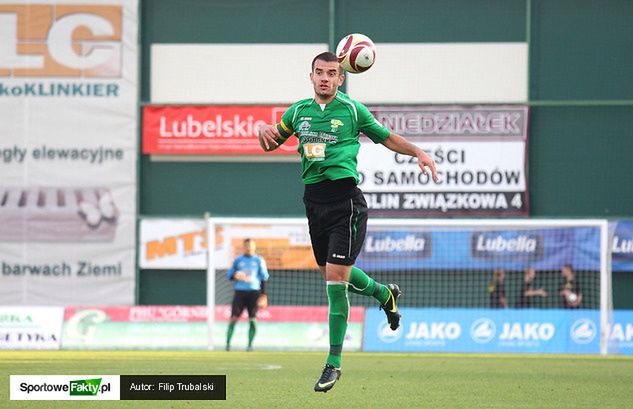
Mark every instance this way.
x=621 y=333
x=622 y=245
x=488 y=331
x=418 y=248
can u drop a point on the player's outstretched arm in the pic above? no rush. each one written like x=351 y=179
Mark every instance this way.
x=398 y=144
x=268 y=136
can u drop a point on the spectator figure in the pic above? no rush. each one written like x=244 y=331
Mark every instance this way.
x=527 y=291
x=496 y=289
x=570 y=292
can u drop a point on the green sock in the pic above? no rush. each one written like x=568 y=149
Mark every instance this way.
x=339 y=311
x=361 y=283
x=229 y=333
x=251 y=332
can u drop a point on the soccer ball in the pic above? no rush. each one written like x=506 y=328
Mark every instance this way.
x=356 y=53
x=572 y=297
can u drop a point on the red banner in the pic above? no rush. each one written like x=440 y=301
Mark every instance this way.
x=210 y=130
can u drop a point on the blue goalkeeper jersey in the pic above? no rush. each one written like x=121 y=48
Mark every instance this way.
x=254 y=267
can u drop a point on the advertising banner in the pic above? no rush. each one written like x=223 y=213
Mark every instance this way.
x=621 y=333
x=173 y=244
x=419 y=248
x=622 y=245
x=480 y=152
x=68 y=102
x=284 y=247
x=31 y=327
x=210 y=130
x=485 y=330
x=181 y=244
x=185 y=327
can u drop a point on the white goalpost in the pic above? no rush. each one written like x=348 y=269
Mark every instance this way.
x=442 y=263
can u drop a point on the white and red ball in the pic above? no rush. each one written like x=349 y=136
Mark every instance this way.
x=356 y=53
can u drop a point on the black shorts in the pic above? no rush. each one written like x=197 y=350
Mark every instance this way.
x=244 y=299
x=337 y=230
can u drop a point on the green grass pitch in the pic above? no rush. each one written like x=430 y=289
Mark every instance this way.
x=369 y=380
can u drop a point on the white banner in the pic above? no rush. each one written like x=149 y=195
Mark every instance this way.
x=68 y=120
x=31 y=327
x=463 y=166
x=173 y=243
x=480 y=153
x=65 y=387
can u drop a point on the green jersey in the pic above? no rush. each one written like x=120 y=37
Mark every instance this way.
x=328 y=137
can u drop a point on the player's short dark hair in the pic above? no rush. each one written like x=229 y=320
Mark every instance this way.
x=248 y=240
x=327 y=57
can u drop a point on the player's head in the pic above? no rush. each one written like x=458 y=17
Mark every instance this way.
x=249 y=247
x=530 y=273
x=567 y=271
x=326 y=75
x=499 y=275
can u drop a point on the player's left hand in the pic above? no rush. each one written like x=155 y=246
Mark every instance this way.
x=424 y=160
x=262 y=301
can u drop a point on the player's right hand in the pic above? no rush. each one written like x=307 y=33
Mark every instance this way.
x=268 y=135
x=239 y=276
x=262 y=301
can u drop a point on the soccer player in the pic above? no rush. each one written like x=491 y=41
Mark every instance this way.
x=328 y=127
x=527 y=292
x=250 y=274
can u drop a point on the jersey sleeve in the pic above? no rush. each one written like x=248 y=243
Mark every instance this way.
x=232 y=270
x=285 y=125
x=263 y=270
x=370 y=126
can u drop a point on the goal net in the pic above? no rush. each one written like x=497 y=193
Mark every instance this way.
x=457 y=263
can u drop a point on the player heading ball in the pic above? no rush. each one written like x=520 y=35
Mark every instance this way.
x=328 y=126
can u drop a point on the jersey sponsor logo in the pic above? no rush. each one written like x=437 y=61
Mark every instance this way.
x=74 y=40
x=583 y=331
x=305 y=125
x=335 y=123
x=314 y=151
x=507 y=245
x=483 y=330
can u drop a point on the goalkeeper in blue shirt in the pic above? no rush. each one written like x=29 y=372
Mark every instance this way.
x=249 y=273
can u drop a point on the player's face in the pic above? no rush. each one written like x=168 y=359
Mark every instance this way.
x=326 y=77
x=249 y=247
